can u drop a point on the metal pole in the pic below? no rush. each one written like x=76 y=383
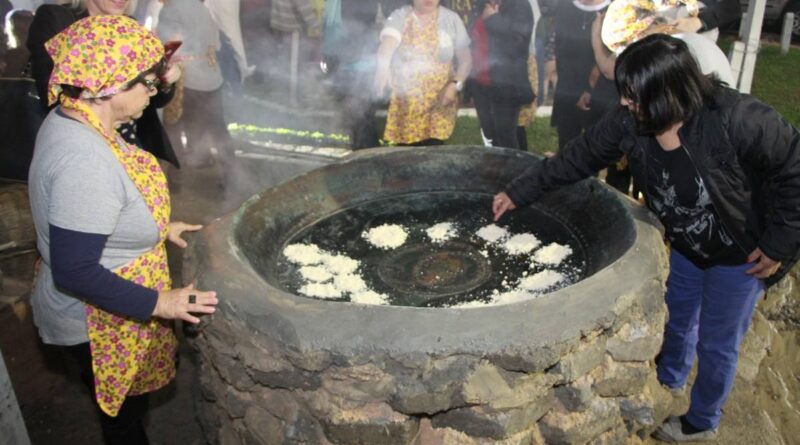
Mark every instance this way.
x=786 y=32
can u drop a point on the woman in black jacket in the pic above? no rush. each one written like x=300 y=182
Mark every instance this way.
x=499 y=83
x=721 y=170
x=147 y=131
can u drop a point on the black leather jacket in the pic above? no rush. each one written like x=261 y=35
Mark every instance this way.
x=745 y=152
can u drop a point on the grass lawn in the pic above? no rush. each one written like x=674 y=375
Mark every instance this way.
x=541 y=136
x=777 y=80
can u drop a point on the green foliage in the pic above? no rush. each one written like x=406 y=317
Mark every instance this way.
x=776 y=81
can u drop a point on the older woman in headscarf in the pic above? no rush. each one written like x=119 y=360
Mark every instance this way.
x=101 y=209
x=146 y=131
x=419 y=43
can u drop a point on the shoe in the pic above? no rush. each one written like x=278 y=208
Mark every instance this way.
x=677 y=391
x=673 y=431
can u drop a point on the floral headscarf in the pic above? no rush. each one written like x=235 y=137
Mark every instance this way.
x=100 y=54
x=629 y=20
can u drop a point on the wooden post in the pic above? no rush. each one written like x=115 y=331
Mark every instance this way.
x=786 y=32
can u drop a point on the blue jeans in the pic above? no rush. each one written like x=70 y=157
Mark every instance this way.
x=709 y=313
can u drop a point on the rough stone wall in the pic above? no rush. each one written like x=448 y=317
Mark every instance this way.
x=601 y=389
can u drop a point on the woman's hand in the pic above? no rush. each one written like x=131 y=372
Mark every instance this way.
x=585 y=101
x=382 y=78
x=182 y=303
x=765 y=266
x=173 y=73
x=501 y=204
x=177 y=228
x=449 y=95
x=490 y=9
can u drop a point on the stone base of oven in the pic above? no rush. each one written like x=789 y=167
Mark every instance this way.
x=602 y=389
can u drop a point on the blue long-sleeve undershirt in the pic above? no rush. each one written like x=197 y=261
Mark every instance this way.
x=75 y=264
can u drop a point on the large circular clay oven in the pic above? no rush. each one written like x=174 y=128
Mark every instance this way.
x=570 y=366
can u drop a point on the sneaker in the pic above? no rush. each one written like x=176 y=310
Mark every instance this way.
x=676 y=429
x=677 y=391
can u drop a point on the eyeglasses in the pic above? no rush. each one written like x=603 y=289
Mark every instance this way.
x=151 y=84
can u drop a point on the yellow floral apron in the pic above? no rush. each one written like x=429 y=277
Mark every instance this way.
x=131 y=357
x=418 y=77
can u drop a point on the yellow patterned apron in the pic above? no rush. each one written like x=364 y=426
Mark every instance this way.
x=417 y=79
x=131 y=357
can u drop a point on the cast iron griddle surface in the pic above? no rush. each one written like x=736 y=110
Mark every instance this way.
x=424 y=273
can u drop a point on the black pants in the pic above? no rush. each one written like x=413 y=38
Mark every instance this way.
x=352 y=90
x=569 y=130
x=125 y=429
x=498 y=119
x=522 y=138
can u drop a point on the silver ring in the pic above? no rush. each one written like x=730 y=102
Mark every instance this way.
x=192 y=299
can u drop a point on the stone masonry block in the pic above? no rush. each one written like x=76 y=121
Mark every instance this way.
x=636 y=341
x=371 y=424
x=436 y=387
x=561 y=427
x=614 y=379
x=484 y=421
x=581 y=361
x=576 y=396
x=428 y=435
x=262 y=427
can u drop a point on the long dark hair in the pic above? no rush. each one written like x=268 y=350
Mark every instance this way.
x=662 y=78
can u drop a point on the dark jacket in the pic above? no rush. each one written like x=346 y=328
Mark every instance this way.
x=745 y=152
x=509 y=39
x=51 y=20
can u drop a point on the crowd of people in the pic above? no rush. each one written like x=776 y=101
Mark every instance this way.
x=492 y=54
x=651 y=103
